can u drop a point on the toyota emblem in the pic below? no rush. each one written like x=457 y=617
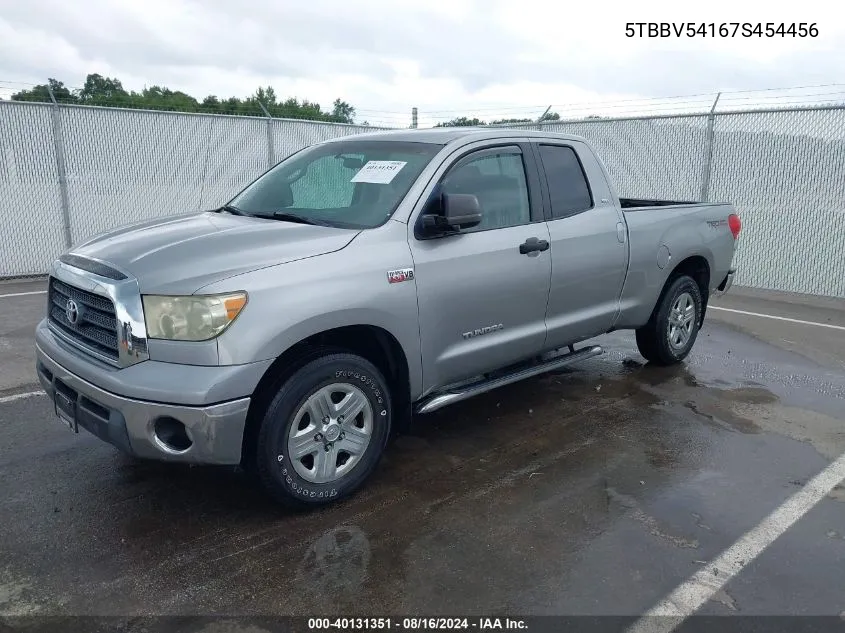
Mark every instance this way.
x=72 y=311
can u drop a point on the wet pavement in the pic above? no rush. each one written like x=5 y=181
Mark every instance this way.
x=595 y=490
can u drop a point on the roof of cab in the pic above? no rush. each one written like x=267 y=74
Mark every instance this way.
x=445 y=135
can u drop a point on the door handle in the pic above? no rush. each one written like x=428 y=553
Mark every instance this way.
x=620 y=232
x=533 y=245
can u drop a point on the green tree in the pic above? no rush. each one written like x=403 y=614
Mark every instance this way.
x=109 y=92
x=165 y=99
x=506 y=121
x=462 y=121
x=232 y=105
x=41 y=93
x=267 y=96
x=291 y=108
x=211 y=105
x=343 y=112
x=102 y=90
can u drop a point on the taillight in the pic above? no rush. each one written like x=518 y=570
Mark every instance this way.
x=735 y=224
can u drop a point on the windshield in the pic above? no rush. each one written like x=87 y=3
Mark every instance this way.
x=348 y=184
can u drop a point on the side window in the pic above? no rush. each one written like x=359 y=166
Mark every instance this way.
x=326 y=185
x=568 y=188
x=498 y=180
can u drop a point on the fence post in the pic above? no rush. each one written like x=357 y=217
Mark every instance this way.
x=708 y=160
x=271 y=150
x=59 y=146
x=540 y=119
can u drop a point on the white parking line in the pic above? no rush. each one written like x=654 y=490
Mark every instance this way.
x=20 y=396
x=778 y=318
x=24 y=294
x=709 y=580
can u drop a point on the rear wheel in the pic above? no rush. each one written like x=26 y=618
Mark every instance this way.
x=324 y=432
x=671 y=331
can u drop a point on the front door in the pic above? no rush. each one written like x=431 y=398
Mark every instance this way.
x=482 y=301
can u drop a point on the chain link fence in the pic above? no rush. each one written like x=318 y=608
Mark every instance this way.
x=784 y=171
x=32 y=231
x=68 y=172
x=647 y=158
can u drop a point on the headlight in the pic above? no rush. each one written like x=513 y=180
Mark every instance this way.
x=193 y=318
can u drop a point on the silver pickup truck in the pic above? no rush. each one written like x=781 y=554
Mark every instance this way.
x=360 y=280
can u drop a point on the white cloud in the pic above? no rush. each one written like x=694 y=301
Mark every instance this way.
x=446 y=57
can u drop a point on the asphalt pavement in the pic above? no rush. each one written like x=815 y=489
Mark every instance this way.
x=598 y=490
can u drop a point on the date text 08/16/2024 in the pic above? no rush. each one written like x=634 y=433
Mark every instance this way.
x=721 y=29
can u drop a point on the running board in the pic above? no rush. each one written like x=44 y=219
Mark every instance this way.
x=440 y=400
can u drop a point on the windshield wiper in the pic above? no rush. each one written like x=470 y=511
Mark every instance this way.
x=231 y=209
x=293 y=217
x=276 y=215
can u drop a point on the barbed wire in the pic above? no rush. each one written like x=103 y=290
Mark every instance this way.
x=627 y=107
x=608 y=108
x=712 y=95
x=510 y=107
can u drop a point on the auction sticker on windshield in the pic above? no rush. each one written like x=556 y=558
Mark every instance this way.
x=381 y=172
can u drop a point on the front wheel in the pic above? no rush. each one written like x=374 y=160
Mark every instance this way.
x=324 y=432
x=671 y=331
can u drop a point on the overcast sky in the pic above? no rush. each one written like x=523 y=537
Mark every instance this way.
x=491 y=58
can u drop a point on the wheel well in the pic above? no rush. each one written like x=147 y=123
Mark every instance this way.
x=375 y=344
x=697 y=268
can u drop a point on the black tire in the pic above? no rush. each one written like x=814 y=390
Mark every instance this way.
x=273 y=464
x=653 y=338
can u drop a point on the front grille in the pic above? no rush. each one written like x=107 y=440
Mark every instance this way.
x=96 y=326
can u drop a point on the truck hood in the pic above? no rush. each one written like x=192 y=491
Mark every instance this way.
x=181 y=254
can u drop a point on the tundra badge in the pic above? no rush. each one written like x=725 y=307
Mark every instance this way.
x=483 y=330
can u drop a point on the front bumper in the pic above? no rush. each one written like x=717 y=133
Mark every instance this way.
x=726 y=284
x=215 y=431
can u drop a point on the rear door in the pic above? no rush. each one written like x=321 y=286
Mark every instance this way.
x=482 y=301
x=588 y=243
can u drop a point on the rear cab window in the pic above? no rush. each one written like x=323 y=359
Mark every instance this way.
x=569 y=190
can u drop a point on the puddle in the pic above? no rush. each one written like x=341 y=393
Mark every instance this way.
x=650 y=523
x=722 y=417
x=750 y=395
x=837 y=494
x=14 y=596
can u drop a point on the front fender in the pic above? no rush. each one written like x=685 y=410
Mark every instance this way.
x=290 y=302
x=318 y=323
